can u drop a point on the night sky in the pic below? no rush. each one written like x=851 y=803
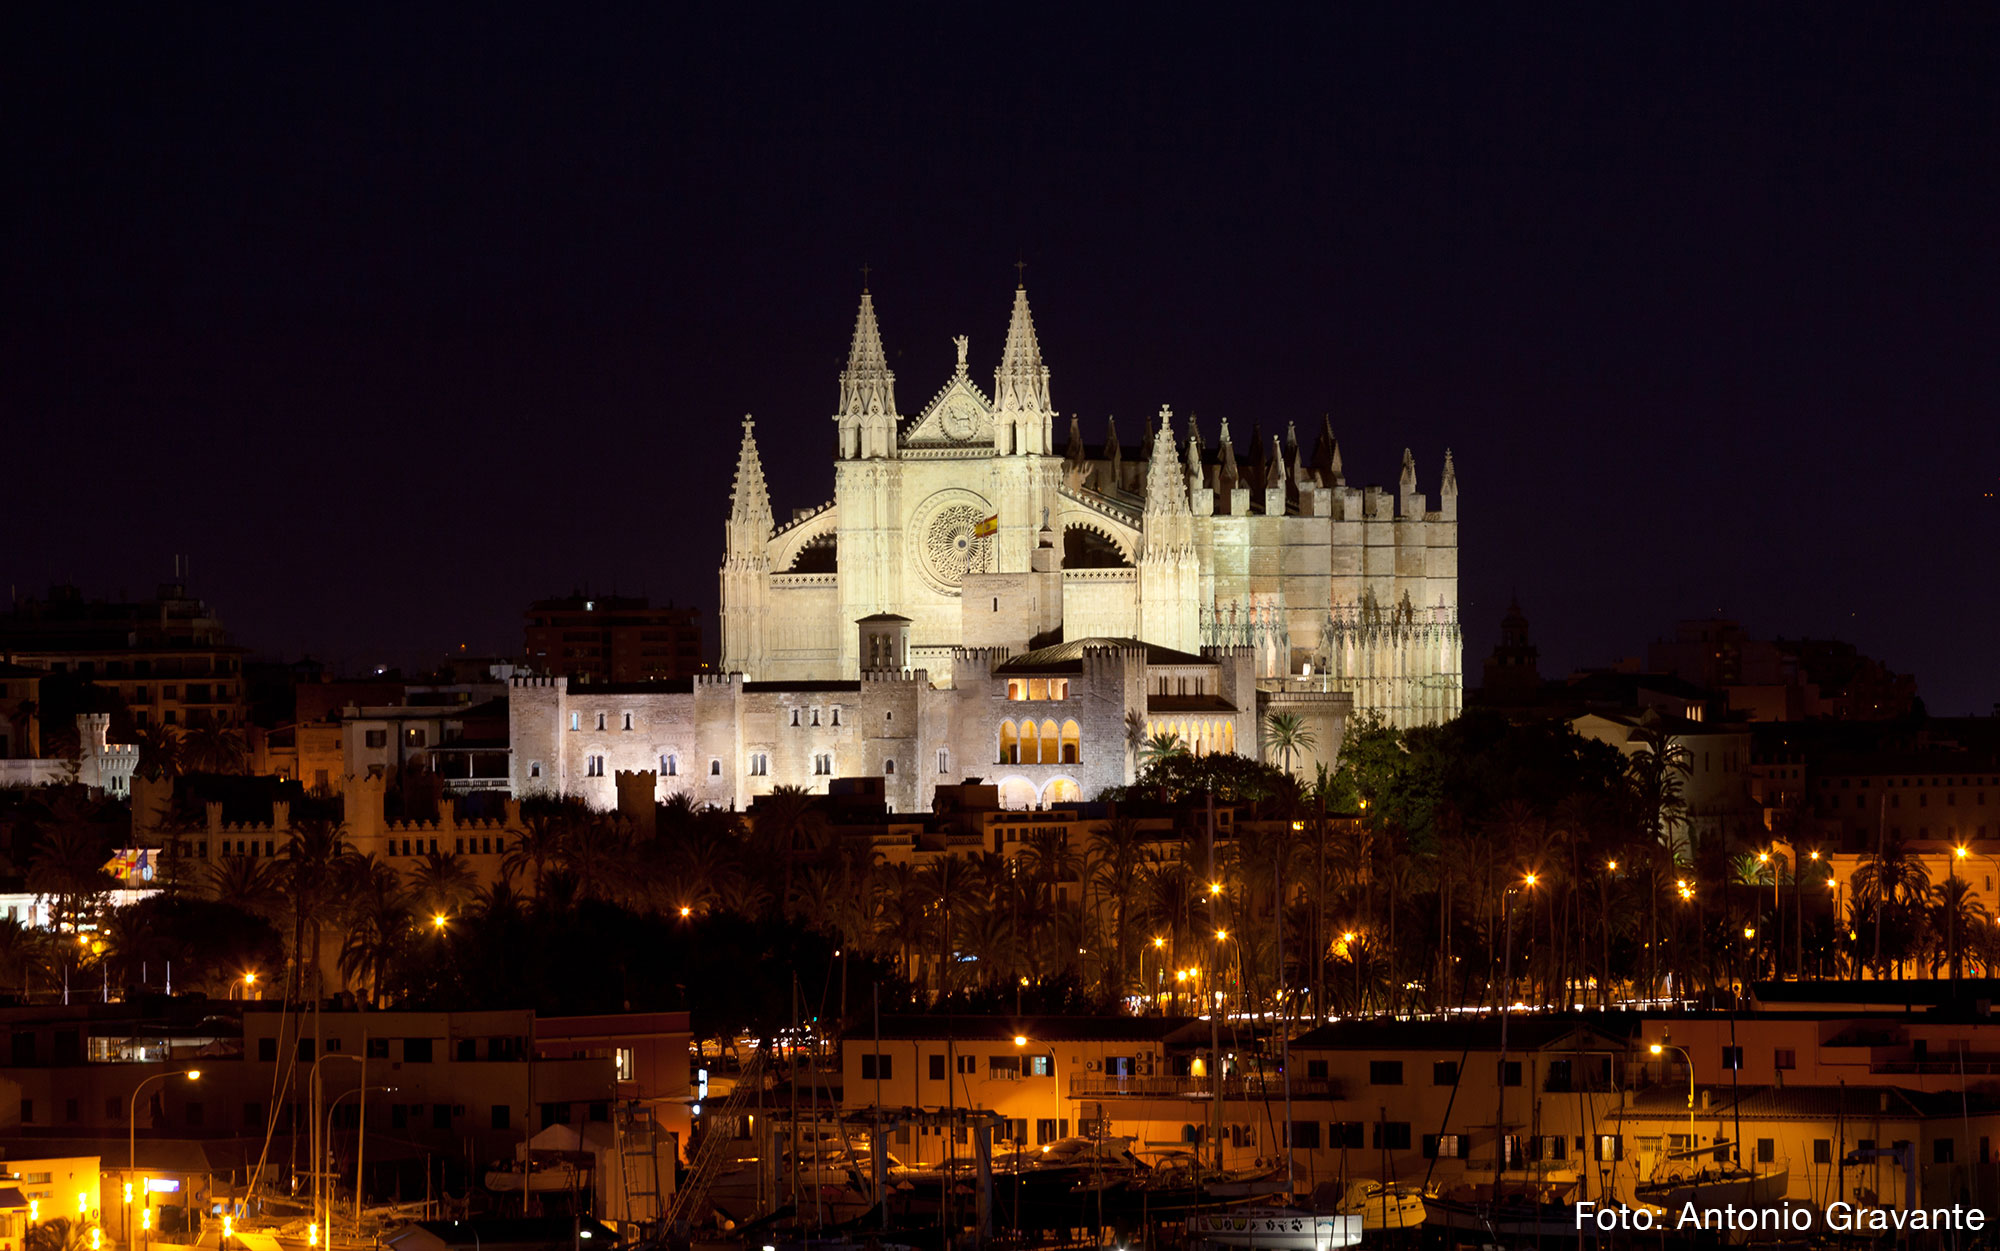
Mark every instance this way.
x=392 y=323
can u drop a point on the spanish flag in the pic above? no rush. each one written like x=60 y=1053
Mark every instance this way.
x=987 y=528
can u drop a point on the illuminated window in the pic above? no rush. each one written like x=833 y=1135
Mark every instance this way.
x=670 y=766
x=576 y=721
x=1010 y=745
x=623 y=1055
x=1072 y=742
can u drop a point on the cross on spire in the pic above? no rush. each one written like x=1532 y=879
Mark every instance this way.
x=865 y=270
x=1020 y=273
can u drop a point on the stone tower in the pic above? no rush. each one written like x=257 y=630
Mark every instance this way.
x=867 y=484
x=746 y=560
x=1025 y=476
x=1169 y=577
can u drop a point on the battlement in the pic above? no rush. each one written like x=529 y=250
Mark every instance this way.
x=889 y=676
x=1226 y=651
x=558 y=683
x=720 y=680
x=980 y=660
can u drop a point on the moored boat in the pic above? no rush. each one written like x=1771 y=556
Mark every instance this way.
x=1273 y=1229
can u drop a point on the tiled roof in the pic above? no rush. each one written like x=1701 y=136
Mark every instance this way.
x=1068 y=657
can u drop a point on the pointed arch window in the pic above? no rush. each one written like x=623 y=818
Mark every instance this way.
x=1010 y=744
x=1072 y=742
x=1051 y=743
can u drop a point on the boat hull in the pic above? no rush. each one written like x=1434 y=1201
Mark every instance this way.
x=1263 y=1231
x=1759 y=1190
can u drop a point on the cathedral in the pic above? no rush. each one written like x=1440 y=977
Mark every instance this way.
x=1170 y=540
x=976 y=603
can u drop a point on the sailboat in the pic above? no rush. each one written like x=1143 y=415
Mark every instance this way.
x=1677 y=1183
x=1278 y=1227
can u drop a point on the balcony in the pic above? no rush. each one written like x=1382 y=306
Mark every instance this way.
x=1096 y=1086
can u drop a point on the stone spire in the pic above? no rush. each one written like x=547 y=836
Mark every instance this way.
x=1275 y=479
x=1168 y=570
x=1114 y=455
x=1076 y=459
x=1021 y=383
x=1166 y=490
x=749 y=499
x=867 y=385
x=1227 y=478
x=1326 y=454
x=867 y=413
x=746 y=562
x=1448 y=490
x=1197 y=478
x=1412 y=502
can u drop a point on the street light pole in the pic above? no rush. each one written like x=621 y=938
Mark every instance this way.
x=1656 y=1049
x=132 y=1121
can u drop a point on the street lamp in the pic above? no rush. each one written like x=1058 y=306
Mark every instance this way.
x=1152 y=994
x=1659 y=1048
x=437 y=921
x=132 y=1122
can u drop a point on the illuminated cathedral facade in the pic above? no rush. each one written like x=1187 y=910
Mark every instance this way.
x=975 y=556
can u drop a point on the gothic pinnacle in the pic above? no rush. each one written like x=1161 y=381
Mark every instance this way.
x=867 y=385
x=749 y=498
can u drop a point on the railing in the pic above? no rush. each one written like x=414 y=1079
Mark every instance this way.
x=1181 y=1087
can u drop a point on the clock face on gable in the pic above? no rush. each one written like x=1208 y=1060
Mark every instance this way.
x=959 y=418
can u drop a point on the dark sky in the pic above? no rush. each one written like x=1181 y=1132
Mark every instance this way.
x=394 y=322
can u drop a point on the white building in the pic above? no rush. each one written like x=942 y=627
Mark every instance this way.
x=963 y=565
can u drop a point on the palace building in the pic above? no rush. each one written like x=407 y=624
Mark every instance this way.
x=919 y=624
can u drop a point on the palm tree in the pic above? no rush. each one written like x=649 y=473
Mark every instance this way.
x=948 y=881
x=1957 y=913
x=537 y=844
x=1161 y=748
x=58 y=1234
x=309 y=878
x=159 y=751
x=68 y=868
x=378 y=934
x=247 y=883
x=1287 y=734
x=441 y=882
x=24 y=955
x=786 y=823
x=1890 y=877
x=1135 y=739
x=23 y=719
x=208 y=746
x=1655 y=776
x=1117 y=849
x=901 y=922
